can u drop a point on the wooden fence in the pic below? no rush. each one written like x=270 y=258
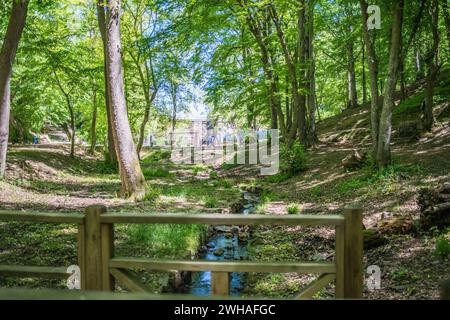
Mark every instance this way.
x=100 y=268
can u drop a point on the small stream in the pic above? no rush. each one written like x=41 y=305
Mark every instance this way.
x=225 y=243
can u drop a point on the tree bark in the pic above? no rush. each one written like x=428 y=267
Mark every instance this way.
x=351 y=75
x=311 y=77
x=173 y=93
x=133 y=182
x=7 y=55
x=112 y=157
x=373 y=76
x=428 y=119
x=94 y=120
x=364 y=80
x=384 y=136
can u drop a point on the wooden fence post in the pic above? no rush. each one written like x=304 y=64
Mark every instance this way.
x=92 y=253
x=353 y=253
x=82 y=254
x=339 y=261
x=220 y=283
x=107 y=239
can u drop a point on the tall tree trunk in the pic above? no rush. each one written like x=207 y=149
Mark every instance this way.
x=174 y=90
x=364 y=80
x=351 y=74
x=72 y=132
x=373 y=75
x=384 y=136
x=112 y=157
x=133 y=182
x=94 y=120
x=72 y=128
x=405 y=48
x=298 y=98
x=7 y=55
x=418 y=65
x=446 y=20
x=428 y=119
x=311 y=77
x=274 y=101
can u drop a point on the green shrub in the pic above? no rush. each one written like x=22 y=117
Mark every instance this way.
x=293 y=160
x=158 y=155
x=442 y=249
x=213 y=174
x=293 y=209
x=224 y=183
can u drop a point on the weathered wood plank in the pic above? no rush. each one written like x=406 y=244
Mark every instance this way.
x=339 y=261
x=220 y=283
x=128 y=279
x=353 y=256
x=93 y=245
x=48 y=294
x=222 y=219
x=223 y=266
x=81 y=253
x=34 y=272
x=312 y=288
x=107 y=239
x=44 y=217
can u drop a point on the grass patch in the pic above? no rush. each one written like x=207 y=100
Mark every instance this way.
x=152 y=195
x=178 y=240
x=387 y=180
x=210 y=202
x=150 y=173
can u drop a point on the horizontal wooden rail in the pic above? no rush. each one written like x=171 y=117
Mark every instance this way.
x=30 y=216
x=49 y=294
x=34 y=272
x=222 y=219
x=222 y=266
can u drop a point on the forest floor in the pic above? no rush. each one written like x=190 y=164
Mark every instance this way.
x=45 y=178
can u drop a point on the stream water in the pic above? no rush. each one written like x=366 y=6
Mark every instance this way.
x=225 y=243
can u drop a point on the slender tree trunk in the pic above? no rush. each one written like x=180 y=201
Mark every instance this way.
x=364 y=80
x=405 y=48
x=94 y=120
x=311 y=76
x=384 y=137
x=174 y=90
x=72 y=128
x=351 y=75
x=419 y=66
x=133 y=182
x=112 y=157
x=373 y=76
x=298 y=98
x=446 y=20
x=72 y=134
x=428 y=119
x=7 y=56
